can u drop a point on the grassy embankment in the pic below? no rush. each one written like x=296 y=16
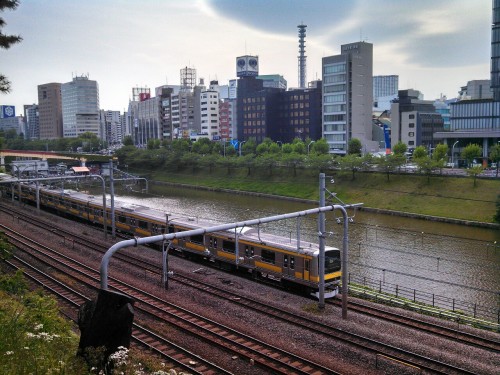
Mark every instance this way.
x=453 y=197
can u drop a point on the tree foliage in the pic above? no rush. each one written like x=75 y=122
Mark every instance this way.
x=470 y=152
x=354 y=147
x=399 y=148
x=6 y=41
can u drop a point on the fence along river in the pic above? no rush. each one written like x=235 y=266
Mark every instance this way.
x=449 y=265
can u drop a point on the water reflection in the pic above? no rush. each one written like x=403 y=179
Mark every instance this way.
x=451 y=260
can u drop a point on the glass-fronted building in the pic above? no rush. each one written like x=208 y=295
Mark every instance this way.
x=80 y=107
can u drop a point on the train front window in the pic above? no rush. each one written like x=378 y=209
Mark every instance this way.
x=332 y=261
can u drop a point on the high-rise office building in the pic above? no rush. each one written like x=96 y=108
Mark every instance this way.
x=80 y=104
x=50 y=111
x=495 y=51
x=348 y=97
x=385 y=86
x=31 y=120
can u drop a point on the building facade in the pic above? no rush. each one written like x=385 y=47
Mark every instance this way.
x=31 y=120
x=385 y=86
x=50 y=111
x=209 y=110
x=348 y=97
x=80 y=107
x=476 y=89
x=111 y=125
x=414 y=121
x=495 y=51
x=299 y=115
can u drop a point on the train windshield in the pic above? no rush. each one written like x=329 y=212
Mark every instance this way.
x=332 y=261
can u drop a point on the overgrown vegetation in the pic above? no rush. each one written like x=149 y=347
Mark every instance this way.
x=36 y=339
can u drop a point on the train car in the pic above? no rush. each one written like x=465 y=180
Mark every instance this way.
x=291 y=263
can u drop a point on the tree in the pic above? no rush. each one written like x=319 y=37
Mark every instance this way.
x=426 y=165
x=128 y=141
x=420 y=152
x=354 y=147
x=262 y=149
x=388 y=164
x=321 y=147
x=7 y=40
x=293 y=160
x=267 y=161
x=474 y=172
x=351 y=162
x=495 y=156
x=440 y=156
x=470 y=152
x=400 y=148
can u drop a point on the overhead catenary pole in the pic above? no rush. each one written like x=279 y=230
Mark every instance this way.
x=224 y=227
x=68 y=178
x=112 y=193
x=321 y=235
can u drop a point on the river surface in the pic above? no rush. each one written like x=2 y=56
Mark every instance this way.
x=436 y=259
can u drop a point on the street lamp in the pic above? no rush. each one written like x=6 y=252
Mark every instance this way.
x=453 y=153
x=308 y=146
x=241 y=146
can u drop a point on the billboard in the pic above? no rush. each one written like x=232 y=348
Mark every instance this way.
x=144 y=96
x=7 y=111
x=247 y=66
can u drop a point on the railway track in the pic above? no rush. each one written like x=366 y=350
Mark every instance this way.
x=175 y=356
x=431 y=328
x=271 y=358
x=157 y=307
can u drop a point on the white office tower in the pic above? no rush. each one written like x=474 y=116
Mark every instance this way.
x=80 y=107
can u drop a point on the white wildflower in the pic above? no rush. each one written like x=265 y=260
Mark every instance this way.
x=9 y=352
x=38 y=327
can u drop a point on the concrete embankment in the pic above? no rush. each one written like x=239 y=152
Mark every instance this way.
x=362 y=208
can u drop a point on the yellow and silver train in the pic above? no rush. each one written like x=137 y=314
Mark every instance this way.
x=282 y=260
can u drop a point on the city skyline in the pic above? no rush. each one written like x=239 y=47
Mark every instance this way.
x=433 y=47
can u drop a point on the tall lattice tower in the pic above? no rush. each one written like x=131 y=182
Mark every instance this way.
x=302 y=56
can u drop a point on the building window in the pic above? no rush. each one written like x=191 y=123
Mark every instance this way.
x=411 y=125
x=411 y=116
x=411 y=134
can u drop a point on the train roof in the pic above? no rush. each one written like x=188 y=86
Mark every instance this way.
x=248 y=233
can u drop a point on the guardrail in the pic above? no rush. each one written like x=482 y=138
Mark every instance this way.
x=462 y=312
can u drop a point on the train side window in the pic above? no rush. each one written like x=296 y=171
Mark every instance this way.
x=229 y=246
x=285 y=261
x=122 y=219
x=198 y=239
x=215 y=242
x=171 y=229
x=306 y=265
x=133 y=222
x=252 y=251
x=143 y=224
x=247 y=252
x=268 y=256
x=97 y=212
x=210 y=242
x=292 y=263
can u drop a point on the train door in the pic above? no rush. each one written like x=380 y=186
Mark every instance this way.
x=287 y=265
x=307 y=267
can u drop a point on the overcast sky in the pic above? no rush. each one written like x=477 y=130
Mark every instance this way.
x=434 y=46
